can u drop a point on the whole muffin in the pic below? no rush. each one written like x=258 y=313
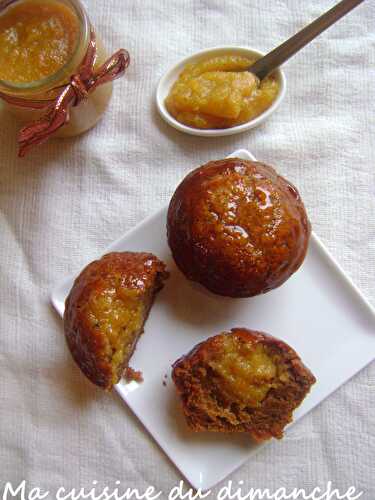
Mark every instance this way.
x=241 y=381
x=105 y=312
x=237 y=227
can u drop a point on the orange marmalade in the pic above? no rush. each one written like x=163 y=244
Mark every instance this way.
x=219 y=93
x=37 y=38
x=42 y=44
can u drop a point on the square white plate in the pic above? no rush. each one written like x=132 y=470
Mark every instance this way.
x=319 y=312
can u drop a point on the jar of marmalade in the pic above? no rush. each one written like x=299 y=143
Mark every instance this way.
x=45 y=46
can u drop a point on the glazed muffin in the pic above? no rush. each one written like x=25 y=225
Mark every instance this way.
x=237 y=227
x=105 y=312
x=241 y=381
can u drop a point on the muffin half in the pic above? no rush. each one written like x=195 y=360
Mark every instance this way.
x=241 y=381
x=105 y=312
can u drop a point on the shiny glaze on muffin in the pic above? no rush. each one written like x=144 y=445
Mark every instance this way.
x=237 y=227
x=105 y=312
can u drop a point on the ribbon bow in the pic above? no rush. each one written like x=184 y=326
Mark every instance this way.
x=57 y=110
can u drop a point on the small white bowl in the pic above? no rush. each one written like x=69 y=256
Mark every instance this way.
x=171 y=76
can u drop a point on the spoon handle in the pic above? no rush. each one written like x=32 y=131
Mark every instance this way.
x=283 y=52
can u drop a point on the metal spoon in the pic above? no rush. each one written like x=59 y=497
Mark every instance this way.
x=264 y=66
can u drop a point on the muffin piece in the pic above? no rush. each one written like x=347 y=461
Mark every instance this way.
x=105 y=312
x=241 y=381
x=237 y=227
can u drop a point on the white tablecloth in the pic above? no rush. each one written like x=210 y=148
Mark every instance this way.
x=67 y=201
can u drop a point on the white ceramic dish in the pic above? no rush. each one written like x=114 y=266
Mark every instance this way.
x=318 y=311
x=171 y=76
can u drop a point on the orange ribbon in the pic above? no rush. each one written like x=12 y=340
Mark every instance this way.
x=81 y=84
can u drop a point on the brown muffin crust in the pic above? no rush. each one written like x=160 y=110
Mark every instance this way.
x=237 y=227
x=105 y=312
x=241 y=381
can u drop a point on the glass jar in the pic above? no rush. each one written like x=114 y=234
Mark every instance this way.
x=90 y=109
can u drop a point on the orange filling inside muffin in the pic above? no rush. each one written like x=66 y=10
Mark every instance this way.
x=118 y=312
x=247 y=372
